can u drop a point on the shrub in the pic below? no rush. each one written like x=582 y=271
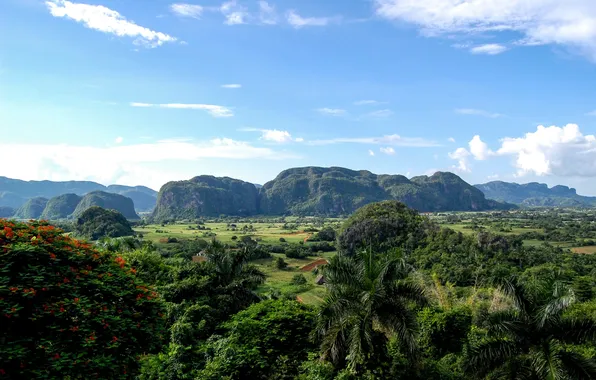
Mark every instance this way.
x=234 y=237
x=69 y=311
x=282 y=240
x=280 y=263
x=298 y=279
x=96 y=222
x=297 y=253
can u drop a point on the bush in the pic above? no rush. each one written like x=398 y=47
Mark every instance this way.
x=299 y=279
x=68 y=311
x=234 y=237
x=297 y=253
x=282 y=240
x=280 y=263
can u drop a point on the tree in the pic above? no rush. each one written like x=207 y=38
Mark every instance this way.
x=267 y=340
x=67 y=310
x=382 y=226
x=96 y=222
x=532 y=339
x=367 y=303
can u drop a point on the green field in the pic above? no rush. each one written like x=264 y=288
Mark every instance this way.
x=263 y=232
x=269 y=233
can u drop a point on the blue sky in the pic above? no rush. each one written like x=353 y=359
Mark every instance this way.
x=146 y=92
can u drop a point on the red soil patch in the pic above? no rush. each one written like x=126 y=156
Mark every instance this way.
x=299 y=299
x=313 y=265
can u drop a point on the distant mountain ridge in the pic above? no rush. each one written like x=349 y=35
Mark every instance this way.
x=316 y=191
x=535 y=194
x=15 y=193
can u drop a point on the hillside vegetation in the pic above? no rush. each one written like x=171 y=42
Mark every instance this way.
x=105 y=200
x=32 y=209
x=60 y=207
x=95 y=223
x=316 y=191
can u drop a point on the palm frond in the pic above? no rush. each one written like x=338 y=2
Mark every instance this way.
x=577 y=366
x=552 y=310
x=490 y=355
x=574 y=330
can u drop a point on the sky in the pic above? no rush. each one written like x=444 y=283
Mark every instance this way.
x=146 y=92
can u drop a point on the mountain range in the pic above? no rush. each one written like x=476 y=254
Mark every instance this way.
x=535 y=194
x=298 y=191
x=14 y=193
x=316 y=191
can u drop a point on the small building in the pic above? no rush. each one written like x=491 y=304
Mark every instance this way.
x=320 y=280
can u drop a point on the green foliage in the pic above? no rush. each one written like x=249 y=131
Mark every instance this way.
x=382 y=226
x=267 y=340
x=299 y=279
x=297 y=252
x=368 y=302
x=96 y=223
x=280 y=263
x=67 y=310
x=531 y=339
x=444 y=332
x=535 y=194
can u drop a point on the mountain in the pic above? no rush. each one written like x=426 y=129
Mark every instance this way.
x=6 y=212
x=206 y=196
x=60 y=207
x=535 y=194
x=335 y=191
x=316 y=191
x=32 y=209
x=14 y=193
x=109 y=201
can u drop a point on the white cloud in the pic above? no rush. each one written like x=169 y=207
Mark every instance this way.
x=368 y=102
x=299 y=139
x=391 y=140
x=234 y=13
x=371 y=153
x=267 y=14
x=106 y=20
x=479 y=149
x=332 y=111
x=387 y=150
x=451 y=139
x=477 y=112
x=276 y=135
x=298 y=21
x=214 y=110
x=492 y=177
x=560 y=151
x=231 y=85
x=489 y=49
x=118 y=140
x=536 y=22
x=381 y=113
x=187 y=10
x=461 y=155
x=151 y=164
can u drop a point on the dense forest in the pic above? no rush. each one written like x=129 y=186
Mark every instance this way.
x=404 y=298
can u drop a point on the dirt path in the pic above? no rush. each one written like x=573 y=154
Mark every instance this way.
x=310 y=266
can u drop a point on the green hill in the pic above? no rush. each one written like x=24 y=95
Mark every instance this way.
x=105 y=200
x=61 y=207
x=96 y=222
x=316 y=191
x=32 y=209
x=206 y=196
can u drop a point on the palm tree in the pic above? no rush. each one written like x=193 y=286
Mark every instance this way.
x=234 y=275
x=367 y=303
x=531 y=339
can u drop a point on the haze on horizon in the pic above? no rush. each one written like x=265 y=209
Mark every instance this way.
x=121 y=93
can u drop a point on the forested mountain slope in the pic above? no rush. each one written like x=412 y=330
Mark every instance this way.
x=535 y=194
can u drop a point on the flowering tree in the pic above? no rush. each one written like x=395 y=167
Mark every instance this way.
x=67 y=310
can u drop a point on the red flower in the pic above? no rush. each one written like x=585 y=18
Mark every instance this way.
x=65 y=280
x=57 y=356
x=43 y=289
x=52 y=256
x=76 y=300
x=62 y=309
x=114 y=339
x=13 y=289
x=74 y=328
